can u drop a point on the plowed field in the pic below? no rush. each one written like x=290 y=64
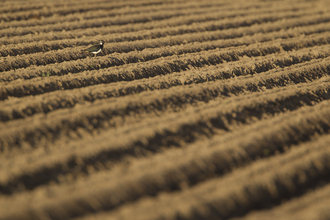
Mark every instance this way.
x=193 y=110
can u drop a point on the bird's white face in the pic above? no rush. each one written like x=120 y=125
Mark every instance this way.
x=101 y=43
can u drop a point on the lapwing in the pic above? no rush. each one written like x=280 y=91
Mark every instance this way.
x=95 y=49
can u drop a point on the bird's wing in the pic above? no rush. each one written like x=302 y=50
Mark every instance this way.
x=92 y=48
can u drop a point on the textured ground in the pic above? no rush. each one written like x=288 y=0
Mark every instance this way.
x=194 y=110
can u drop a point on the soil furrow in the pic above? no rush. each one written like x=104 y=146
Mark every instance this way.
x=312 y=205
x=193 y=110
x=82 y=7
x=27 y=6
x=178 y=25
x=36 y=47
x=103 y=22
x=292 y=175
x=104 y=12
x=62 y=99
x=89 y=119
x=271 y=103
x=12 y=9
x=24 y=61
x=222 y=154
x=129 y=72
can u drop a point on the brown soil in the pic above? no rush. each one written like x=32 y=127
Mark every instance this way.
x=193 y=110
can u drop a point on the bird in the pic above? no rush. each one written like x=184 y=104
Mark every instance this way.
x=95 y=49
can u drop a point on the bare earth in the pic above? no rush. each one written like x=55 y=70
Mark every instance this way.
x=194 y=110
